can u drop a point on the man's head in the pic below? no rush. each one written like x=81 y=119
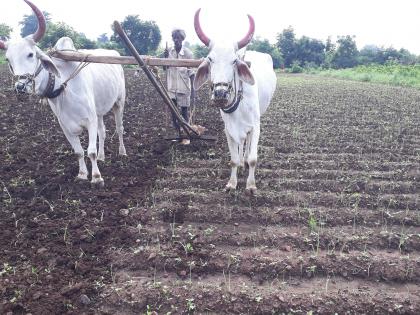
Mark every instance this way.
x=178 y=36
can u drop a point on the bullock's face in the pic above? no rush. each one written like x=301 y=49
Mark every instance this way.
x=24 y=58
x=224 y=70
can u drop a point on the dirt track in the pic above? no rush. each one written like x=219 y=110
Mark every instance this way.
x=335 y=226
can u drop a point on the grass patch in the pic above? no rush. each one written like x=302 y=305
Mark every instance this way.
x=393 y=74
x=2 y=58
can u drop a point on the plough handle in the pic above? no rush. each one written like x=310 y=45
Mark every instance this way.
x=187 y=128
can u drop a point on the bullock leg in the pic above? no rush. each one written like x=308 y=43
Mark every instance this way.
x=252 y=145
x=93 y=134
x=78 y=150
x=118 y=110
x=101 y=136
x=247 y=148
x=234 y=162
x=241 y=155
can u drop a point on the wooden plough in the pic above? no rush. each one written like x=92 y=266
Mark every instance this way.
x=144 y=62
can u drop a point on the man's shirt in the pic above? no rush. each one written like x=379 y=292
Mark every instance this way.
x=179 y=77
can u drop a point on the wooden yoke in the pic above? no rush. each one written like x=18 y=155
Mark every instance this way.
x=71 y=55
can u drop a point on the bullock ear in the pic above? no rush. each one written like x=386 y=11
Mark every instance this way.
x=244 y=72
x=202 y=74
x=47 y=62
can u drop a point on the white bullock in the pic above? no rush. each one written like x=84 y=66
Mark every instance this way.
x=81 y=102
x=242 y=93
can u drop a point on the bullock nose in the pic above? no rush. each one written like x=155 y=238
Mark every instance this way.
x=20 y=87
x=221 y=93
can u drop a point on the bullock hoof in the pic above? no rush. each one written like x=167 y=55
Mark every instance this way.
x=251 y=191
x=122 y=151
x=97 y=182
x=81 y=177
x=230 y=187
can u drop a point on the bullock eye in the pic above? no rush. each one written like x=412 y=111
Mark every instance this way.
x=211 y=60
x=30 y=55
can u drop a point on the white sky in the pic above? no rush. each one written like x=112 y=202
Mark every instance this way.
x=379 y=22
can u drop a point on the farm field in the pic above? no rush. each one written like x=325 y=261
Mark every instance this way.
x=334 y=227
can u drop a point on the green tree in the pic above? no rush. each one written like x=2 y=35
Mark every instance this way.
x=30 y=23
x=345 y=56
x=200 y=51
x=371 y=54
x=145 y=35
x=102 y=39
x=310 y=52
x=263 y=45
x=406 y=58
x=57 y=30
x=5 y=31
x=286 y=43
x=85 y=43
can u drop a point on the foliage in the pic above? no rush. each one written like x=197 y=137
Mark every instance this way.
x=105 y=43
x=345 y=56
x=30 y=23
x=57 y=30
x=5 y=31
x=145 y=35
x=313 y=53
x=310 y=50
x=302 y=51
x=286 y=42
x=2 y=58
x=200 y=51
x=295 y=68
x=102 y=39
x=390 y=73
x=380 y=55
x=263 y=45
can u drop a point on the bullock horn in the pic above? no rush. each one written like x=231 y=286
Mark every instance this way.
x=41 y=22
x=203 y=37
x=245 y=41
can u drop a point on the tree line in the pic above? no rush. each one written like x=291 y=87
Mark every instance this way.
x=288 y=51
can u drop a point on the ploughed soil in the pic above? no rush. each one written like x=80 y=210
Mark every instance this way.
x=333 y=228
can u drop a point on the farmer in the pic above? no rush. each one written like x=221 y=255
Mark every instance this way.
x=180 y=79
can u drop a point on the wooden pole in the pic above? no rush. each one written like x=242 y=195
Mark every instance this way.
x=153 y=79
x=70 y=55
x=73 y=55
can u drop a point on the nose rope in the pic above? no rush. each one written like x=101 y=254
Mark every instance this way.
x=237 y=99
x=29 y=78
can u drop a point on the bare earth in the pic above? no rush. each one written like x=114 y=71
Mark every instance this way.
x=335 y=225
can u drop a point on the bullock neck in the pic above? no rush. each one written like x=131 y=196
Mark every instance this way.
x=233 y=106
x=46 y=84
x=41 y=80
